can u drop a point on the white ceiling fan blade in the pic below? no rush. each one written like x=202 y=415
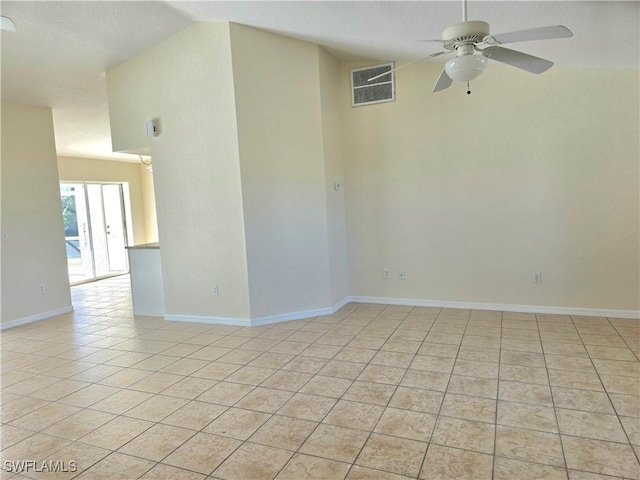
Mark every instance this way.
x=444 y=81
x=7 y=24
x=518 y=59
x=540 y=33
x=402 y=66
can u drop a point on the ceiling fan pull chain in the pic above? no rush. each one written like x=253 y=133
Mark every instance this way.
x=468 y=89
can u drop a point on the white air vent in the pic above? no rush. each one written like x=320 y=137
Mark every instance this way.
x=379 y=90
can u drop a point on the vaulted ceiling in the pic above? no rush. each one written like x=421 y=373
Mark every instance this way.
x=62 y=48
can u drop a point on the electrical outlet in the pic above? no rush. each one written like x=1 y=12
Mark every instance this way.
x=214 y=290
x=41 y=289
x=401 y=275
x=537 y=277
x=386 y=273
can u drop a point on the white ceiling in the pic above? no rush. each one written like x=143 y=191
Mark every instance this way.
x=62 y=48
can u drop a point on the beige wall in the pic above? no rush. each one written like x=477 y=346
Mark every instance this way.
x=72 y=169
x=330 y=97
x=148 y=204
x=473 y=194
x=272 y=178
x=278 y=108
x=34 y=252
x=470 y=195
x=187 y=82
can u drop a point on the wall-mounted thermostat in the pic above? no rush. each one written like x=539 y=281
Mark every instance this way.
x=153 y=128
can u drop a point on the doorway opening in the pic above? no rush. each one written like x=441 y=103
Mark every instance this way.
x=95 y=228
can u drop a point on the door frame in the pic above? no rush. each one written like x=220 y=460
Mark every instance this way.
x=125 y=230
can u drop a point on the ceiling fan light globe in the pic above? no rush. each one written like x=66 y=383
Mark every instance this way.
x=7 y=24
x=466 y=67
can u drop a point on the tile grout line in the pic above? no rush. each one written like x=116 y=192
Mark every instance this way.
x=297 y=450
x=495 y=427
x=607 y=393
x=353 y=462
x=37 y=337
x=437 y=415
x=555 y=410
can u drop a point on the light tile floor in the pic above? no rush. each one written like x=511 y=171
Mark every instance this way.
x=371 y=392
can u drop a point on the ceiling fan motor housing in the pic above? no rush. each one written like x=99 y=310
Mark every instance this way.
x=463 y=37
x=465 y=33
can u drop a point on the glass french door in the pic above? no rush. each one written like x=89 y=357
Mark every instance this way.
x=95 y=230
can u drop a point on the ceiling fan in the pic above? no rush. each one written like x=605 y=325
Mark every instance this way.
x=467 y=38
